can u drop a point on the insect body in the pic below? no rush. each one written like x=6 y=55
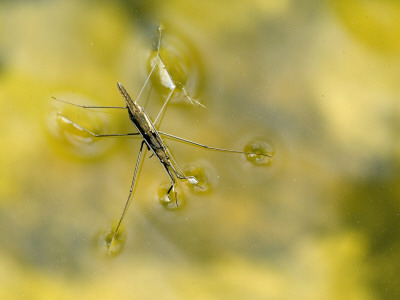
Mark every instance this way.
x=151 y=137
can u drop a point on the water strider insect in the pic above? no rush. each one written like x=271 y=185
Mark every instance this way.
x=151 y=137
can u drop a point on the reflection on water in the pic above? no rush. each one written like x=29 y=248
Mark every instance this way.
x=315 y=84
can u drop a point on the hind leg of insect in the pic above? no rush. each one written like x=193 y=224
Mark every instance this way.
x=128 y=201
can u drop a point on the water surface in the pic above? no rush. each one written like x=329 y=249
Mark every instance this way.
x=314 y=83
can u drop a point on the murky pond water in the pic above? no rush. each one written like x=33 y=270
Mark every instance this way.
x=313 y=84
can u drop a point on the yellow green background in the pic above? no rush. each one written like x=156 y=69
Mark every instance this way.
x=316 y=81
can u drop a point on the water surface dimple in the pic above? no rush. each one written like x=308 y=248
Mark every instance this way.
x=66 y=123
x=204 y=173
x=180 y=65
x=259 y=146
x=104 y=237
x=170 y=201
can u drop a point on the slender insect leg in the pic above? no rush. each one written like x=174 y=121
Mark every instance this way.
x=164 y=106
x=174 y=163
x=172 y=187
x=191 y=100
x=169 y=82
x=129 y=197
x=208 y=147
x=179 y=173
x=92 y=133
x=154 y=65
x=87 y=106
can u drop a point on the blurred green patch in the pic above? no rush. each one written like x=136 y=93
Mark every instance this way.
x=376 y=24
